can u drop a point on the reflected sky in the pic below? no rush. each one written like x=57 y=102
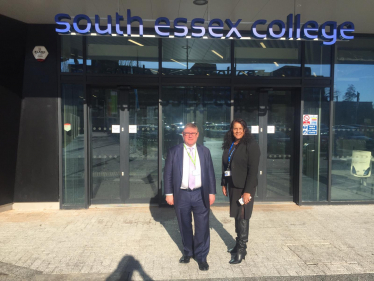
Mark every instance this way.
x=360 y=75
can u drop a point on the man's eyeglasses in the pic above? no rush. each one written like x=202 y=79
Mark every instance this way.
x=189 y=134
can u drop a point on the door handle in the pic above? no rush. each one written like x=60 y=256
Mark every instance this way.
x=123 y=174
x=122 y=129
x=260 y=172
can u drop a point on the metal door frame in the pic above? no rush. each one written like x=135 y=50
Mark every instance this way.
x=262 y=139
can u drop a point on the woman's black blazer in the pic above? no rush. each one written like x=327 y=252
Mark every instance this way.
x=244 y=166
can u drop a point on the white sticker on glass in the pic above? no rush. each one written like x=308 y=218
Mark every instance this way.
x=271 y=129
x=254 y=129
x=116 y=129
x=133 y=129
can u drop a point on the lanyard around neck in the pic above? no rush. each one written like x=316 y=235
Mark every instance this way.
x=230 y=154
x=193 y=160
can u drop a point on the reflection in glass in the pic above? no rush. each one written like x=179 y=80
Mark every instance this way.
x=209 y=108
x=317 y=59
x=279 y=58
x=353 y=127
x=196 y=57
x=246 y=104
x=71 y=54
x=280 y=146
x=105 y=146
x=73 y=189
x=315 y=147
x=143 y=111
x=121 y=55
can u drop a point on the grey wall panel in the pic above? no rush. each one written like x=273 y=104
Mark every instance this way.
x=11 y=76
x=37 y=162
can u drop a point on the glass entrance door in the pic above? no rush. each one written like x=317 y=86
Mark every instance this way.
x=270 y=114
x=123 y=144
x=207 y=107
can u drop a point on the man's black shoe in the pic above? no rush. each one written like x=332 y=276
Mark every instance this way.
x=203 y=265
x=184 y=259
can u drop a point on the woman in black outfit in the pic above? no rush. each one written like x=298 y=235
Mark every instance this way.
x=240 y=161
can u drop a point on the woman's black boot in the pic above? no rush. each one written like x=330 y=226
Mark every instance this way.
x=235 y=249
x=243 y=227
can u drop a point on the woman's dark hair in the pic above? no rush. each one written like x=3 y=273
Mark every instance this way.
x=229 y=136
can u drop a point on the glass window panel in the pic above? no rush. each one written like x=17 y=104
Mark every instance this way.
x=196 y=57
x=209 y=108
x=143 y=162
x=71 y=54
x=105 y=146
x=122 y=55
x=73 y=184
x=246 y=104
x=280 y=143
x=279 y=58
x=317 y=59
x=353 y=127
x=315 y=147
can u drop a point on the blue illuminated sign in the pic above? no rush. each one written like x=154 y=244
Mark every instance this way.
x=182 y=27
x=328 y=32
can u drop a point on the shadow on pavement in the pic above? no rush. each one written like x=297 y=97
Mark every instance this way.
x=167 y=217
x=226 y=237
x=126 y=268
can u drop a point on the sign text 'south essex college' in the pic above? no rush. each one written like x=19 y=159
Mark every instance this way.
x=292 y=29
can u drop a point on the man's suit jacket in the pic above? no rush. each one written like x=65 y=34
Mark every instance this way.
x=174 y=168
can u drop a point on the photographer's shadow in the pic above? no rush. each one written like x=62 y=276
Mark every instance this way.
x=126 y=268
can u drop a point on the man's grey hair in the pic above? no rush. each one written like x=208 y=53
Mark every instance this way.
x=191 y=125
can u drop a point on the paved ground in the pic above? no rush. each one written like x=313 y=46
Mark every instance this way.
x=287 y=242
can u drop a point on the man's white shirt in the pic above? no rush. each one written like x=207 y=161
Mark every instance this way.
x=186 y=167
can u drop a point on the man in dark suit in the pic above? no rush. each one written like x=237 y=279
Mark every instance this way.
x=190 y=186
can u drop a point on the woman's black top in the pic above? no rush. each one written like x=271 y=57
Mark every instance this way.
x=243 y=167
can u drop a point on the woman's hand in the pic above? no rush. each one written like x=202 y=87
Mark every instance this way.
x=224 y=190
x=246 y=197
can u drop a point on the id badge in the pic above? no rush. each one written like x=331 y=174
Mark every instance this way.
x=195 y=173
x=227 y=173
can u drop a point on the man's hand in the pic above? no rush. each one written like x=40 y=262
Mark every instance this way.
x=246 y=198
x=224 y=190
x=212 y=198
x=170 y=199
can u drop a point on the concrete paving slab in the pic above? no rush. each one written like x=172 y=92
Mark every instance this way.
x=286 y=242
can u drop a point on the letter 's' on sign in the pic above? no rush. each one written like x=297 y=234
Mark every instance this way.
x=328 y=32
x=177 y=21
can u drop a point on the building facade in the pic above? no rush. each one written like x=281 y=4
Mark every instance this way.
x=92 y=123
